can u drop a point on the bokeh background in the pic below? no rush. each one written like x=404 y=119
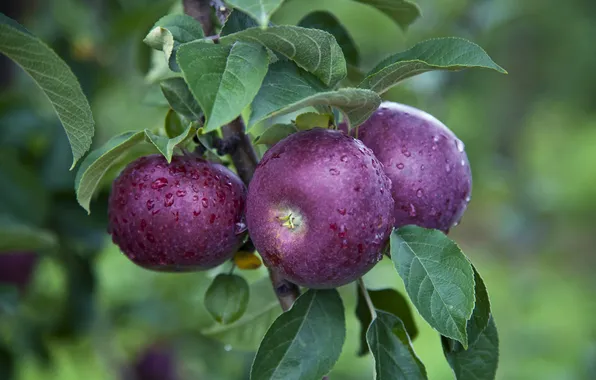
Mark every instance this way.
x=89 y=313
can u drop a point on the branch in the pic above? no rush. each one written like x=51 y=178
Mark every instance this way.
x=244 y=156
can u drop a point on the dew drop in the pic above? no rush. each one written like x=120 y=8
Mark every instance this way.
x=169 y=200
x=434 y=147
x=180 y=193
x=460 y=145
x=196 y=212
x=420 y=193
x=212 y=218
x=228 y=347
x=333 y=171
x=412 y=212
x=344 y=158
x=150 y=204
x=468 y=199
x=421 y=167
x=159 y=183
x=344 y=244
x=405 y=151
x=448 y=168
x=433 y=211
x=342 y=211
x=343 y=231
x=360 y=248
x=195 y=188
x=155 y=212
x=400 y=166
x=463 y=163
x=205 y=202
x=333 y=226
x=436 y=139
x=240 y=228
x=195 y=198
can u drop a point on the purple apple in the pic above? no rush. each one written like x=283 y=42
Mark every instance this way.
x=182 y=216
x=319 y=208
x=16 y=268
x=426 y=162
x=155 y=363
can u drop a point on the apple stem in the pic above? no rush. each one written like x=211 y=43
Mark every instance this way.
x=244 y=156
x=369 y=302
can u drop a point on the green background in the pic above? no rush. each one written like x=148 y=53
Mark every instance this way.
x=530 y=137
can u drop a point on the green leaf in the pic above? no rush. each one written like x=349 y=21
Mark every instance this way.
x=310 y=120
x=223 y=78
x=393 y=352
x=98 y=162
x=173 y=124
x=388 y=300
x=180 y=98
x=55 y=78
x=287 y=88
x=275 y=134
x=260 y=10
x=480 y=360
x=15 y=236
x=166 y=145
x=449 y=53
x=326 y=21
x=246 y=333
x=438 y=278
x=238 y=21
x=304 y=342
x=169 y=32
x=481 y=313
x=313 y=50
x=402 y=12
x=227 y=297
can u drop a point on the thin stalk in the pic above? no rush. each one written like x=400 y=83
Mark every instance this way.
x=369 y=302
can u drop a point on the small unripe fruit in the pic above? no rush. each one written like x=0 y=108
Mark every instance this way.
x=319 y=208
x=426 y=162
x=182 y=216
x=16 y=268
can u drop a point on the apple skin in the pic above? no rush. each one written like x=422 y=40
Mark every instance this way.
x=16 y=268
x=182 y=216
x=319 y=208
x=426 y=162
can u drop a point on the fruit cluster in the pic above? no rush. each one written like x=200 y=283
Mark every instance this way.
x=320 y=206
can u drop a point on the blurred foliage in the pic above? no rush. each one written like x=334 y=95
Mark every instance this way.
x=530 y=137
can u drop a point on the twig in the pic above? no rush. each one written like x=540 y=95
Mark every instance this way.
x=366 y=296
x=244 y=156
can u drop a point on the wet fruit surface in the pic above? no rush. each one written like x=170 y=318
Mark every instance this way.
x=177 y=216
x=426 y=162
x=319 y=209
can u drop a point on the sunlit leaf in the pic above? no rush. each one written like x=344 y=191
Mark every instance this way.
x=450 y=53
x=313 y=50
x=224 y=79
x=260 y=10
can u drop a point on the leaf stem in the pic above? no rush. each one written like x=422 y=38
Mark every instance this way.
x=244 y=156
x=369 y=302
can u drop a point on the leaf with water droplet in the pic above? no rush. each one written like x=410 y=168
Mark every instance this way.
x=438 y=278
x=227 y=298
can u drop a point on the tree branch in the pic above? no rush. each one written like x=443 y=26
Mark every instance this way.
x=244 y=156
